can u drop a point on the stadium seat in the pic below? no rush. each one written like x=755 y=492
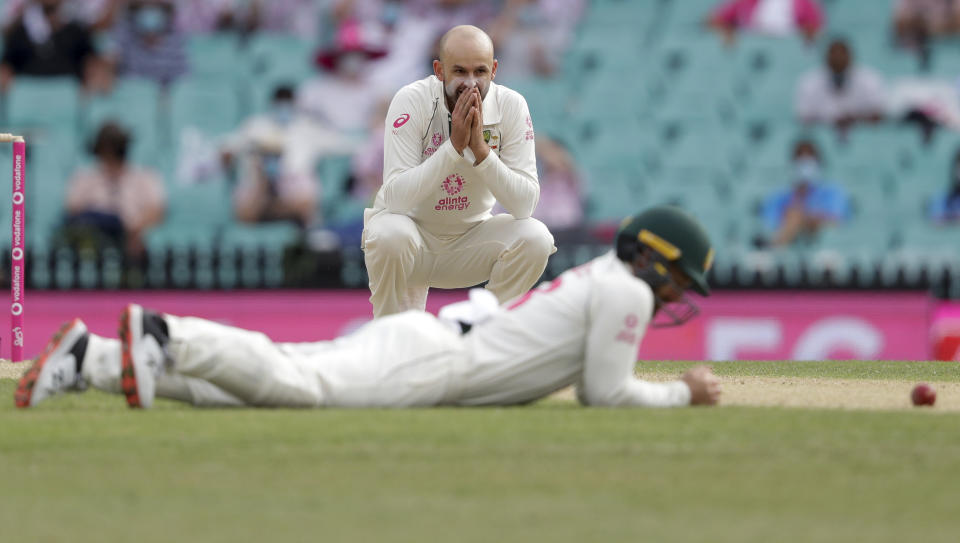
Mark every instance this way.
x=617 y=14
x=255 y=236
x=196 y=217
x=259 y=251
x=43 y=102
x=275 y=57
x=336 y=205
x=613 y=194
x=686 y=17
x=214 y=56
x=209 y=106
x=272 y=60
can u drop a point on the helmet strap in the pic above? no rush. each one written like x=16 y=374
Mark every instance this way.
x=656 y=273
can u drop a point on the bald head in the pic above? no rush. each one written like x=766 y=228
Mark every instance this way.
x=465 y=40
x=466 y=61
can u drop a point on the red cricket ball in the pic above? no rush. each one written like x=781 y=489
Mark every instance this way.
x=923 y=394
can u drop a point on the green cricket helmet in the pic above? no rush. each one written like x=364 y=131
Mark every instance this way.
x=669 y=236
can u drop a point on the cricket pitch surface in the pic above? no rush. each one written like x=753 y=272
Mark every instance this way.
x=798 y=451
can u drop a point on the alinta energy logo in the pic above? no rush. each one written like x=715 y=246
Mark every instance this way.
x=453 y=184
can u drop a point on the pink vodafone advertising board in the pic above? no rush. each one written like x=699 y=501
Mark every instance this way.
x=799 y=326
x=945 y=331
x=732 y=325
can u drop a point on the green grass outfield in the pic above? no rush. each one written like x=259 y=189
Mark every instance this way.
x=86 y=469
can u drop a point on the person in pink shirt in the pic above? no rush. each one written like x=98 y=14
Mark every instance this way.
x=115 y=197
x=917 y=22
x=771 y=17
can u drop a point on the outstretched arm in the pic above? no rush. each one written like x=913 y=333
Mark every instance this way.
x=619 y=314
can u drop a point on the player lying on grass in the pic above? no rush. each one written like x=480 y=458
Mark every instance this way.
x=582 y=329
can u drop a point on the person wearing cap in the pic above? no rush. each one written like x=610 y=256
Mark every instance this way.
x=344 y=96
x=455 y=144
x=583 y=329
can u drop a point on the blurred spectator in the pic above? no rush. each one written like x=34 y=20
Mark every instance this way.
x=770 y=17
x=205 y=16
x=193 y=16
x=946 y=207
x=337 y=12
x=410 y=44
x=927 y=103
x=366 y=165
x=147 y=42
x=532 y=35
x=810 y=204
x=444 y=14
x=840 y=93
x=561 y=203
x=269 y=192
x=44 y=41
x=278 y=153
x=915 y=22
x=344 y=98
x=294 y=17
x=96 y=14
x=114 y=202
x=561 y=193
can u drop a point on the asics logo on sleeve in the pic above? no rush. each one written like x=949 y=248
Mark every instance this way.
x=401 y=120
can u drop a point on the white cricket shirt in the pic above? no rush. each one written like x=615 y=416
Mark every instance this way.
x=427 y=180
x=583 y=329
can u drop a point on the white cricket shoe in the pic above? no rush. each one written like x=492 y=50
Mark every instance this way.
x=144 y=339
x=57 y=369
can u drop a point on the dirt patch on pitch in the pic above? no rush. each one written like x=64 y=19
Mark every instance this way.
x=820 y=393
x=832 y=393
x=9 y=370
x=770 y=391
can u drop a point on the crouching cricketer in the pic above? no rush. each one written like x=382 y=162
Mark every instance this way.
x=582 y=329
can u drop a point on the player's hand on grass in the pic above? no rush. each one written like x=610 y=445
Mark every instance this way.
x=478 y=145
x=704 y=385
x=460 y=120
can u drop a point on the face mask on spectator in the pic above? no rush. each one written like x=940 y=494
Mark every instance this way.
x=151 y=20
x=282 y=112
x=806 y=169
x=839 y=80
x=271 y=166
x=351 y=64
x=390 y=13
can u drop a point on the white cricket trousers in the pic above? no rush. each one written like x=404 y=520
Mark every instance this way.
x=403 y=260
x=407 y=360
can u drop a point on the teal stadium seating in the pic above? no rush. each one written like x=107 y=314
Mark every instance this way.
x=653 y=107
